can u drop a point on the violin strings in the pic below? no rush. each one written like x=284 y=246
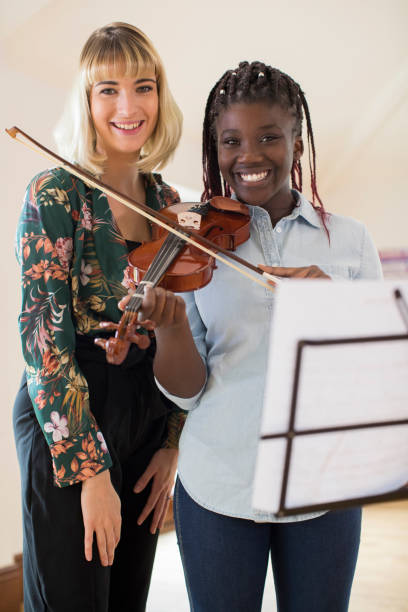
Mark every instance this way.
x=152 y=274
x=163 y=259
x=155 y=272
x=169 y=249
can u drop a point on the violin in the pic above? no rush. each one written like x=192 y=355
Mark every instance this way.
x=185 y=268
x=171 y=262
x=153 y=270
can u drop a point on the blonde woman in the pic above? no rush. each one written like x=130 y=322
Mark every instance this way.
x=97 y=443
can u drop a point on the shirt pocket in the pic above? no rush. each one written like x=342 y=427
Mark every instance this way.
x=339 y=271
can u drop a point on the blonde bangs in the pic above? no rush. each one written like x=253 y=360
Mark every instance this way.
x=118 y=60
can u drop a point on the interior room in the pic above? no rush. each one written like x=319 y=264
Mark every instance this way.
x=352 y=61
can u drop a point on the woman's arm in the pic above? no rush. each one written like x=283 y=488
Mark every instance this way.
x=58 y=390
x=101 y=515
x=178 y=365
x=57 y=387
x=180 y=370
x=162 y=472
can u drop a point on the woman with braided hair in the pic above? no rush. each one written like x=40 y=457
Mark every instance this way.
x=211 y=358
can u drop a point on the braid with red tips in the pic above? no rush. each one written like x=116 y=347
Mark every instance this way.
x=251 y=83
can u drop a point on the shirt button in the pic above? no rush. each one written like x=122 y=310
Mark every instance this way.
x=279 y=229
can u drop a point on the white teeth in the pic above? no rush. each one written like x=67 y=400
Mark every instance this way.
x=128 y=126
x=253 y=178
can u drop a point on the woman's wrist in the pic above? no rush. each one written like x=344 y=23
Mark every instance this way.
x=100 y=479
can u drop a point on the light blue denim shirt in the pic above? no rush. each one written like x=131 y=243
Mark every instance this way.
x=230 y=320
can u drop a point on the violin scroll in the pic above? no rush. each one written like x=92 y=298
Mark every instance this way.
x=117 y=347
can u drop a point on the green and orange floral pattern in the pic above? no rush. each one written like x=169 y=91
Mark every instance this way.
x=73 y=273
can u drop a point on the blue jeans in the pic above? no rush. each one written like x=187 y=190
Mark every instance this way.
x=225 y=559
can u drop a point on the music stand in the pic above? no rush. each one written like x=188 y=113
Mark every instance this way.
x=294 y=434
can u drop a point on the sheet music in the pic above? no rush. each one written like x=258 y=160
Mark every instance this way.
x=359 y=383
x=346 y=465
x=338 y=385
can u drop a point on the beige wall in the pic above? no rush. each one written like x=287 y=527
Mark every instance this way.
x=350 y=58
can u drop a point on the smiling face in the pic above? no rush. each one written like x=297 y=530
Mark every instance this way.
x=257 y=144
x=124 y=111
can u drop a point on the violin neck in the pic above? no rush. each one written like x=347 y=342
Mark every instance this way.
x=167 y=253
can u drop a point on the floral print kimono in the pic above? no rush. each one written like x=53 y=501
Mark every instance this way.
x=73 y=273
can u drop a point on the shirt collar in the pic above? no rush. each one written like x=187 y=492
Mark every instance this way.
x=303 y=209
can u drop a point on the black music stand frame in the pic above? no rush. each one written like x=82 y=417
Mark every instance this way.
x=292 y=433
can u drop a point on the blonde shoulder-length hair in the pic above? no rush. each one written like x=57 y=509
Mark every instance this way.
x=118 y=48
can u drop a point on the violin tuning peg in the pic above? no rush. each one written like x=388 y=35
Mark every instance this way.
x=141 y=340
x=147 y=324
x=108 y=325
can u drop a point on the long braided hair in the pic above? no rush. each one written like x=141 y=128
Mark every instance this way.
x=252 y=83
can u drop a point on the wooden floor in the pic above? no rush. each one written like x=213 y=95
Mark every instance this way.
x=380 y=585
x=381 y=581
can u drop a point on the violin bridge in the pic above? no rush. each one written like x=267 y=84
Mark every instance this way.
x=189 y=219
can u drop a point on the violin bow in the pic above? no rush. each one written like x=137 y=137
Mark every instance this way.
x=154 y=216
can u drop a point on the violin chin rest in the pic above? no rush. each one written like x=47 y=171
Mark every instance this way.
x=228 y=205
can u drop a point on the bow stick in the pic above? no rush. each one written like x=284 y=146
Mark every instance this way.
x=190 y=236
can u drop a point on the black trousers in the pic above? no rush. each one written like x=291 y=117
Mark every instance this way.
x=57 y=578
